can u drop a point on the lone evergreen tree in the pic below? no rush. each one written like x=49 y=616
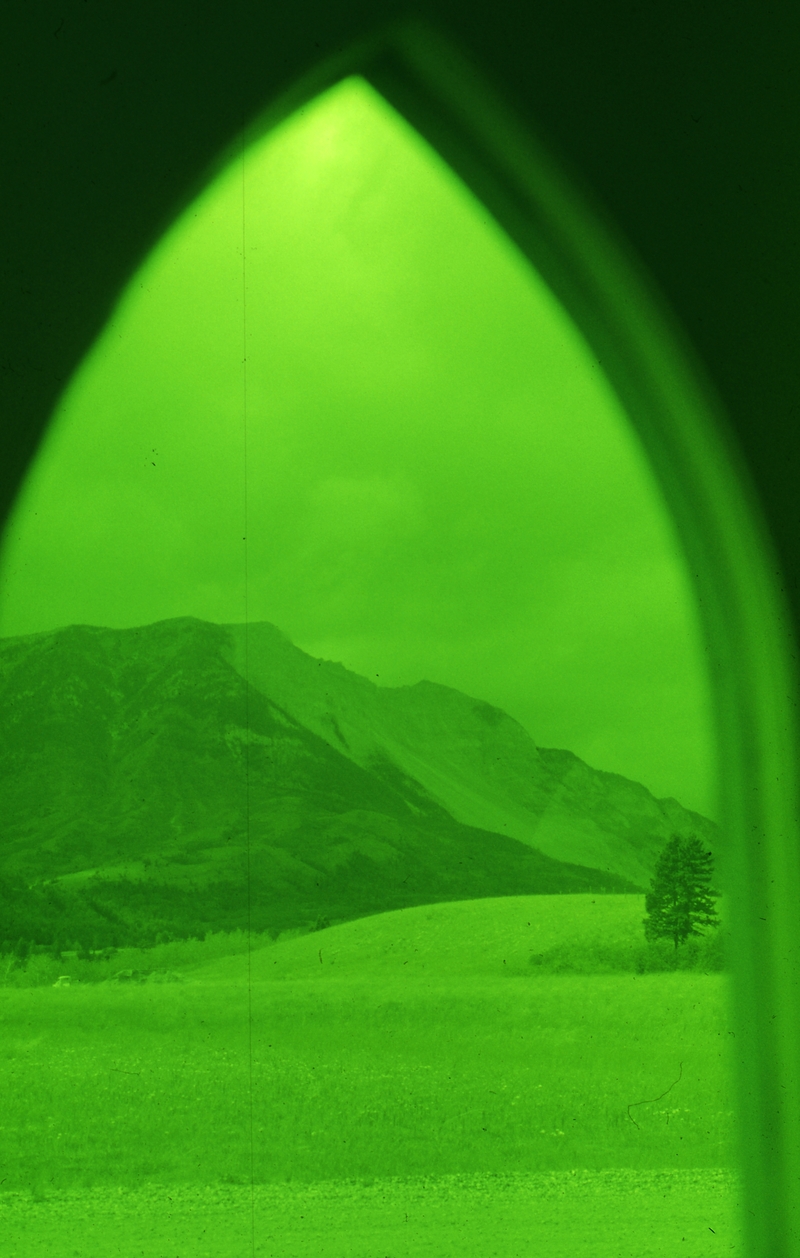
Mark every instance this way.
x=681 y=898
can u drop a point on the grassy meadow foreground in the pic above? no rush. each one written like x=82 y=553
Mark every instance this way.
x=404 y=1084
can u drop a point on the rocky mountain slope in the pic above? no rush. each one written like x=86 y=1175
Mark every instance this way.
x=474 y=759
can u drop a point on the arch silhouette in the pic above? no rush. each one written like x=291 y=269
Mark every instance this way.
x=686 y=428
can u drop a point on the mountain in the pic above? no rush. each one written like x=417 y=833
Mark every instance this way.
x=187 y=776
x=474 y=759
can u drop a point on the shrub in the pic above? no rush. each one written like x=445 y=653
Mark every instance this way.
x=705 y=954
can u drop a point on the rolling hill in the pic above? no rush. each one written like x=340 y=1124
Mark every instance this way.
x=463 y=939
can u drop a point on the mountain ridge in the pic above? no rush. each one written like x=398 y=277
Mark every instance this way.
x=506 y=785
x=142 y=772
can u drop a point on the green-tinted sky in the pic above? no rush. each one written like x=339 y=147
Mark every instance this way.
x=420 y=470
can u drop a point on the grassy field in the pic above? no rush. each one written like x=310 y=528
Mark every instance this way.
x=559 y=933
x=606 y=1214
x=379 y=1061
x=491 y=938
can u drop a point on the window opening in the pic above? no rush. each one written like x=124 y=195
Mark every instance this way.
x=354 y=687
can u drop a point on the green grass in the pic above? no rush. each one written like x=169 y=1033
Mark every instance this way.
x=491 y=937
x=121 y=1086
x=608 y=1214
x=406 y=1085
x=400 y=1045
